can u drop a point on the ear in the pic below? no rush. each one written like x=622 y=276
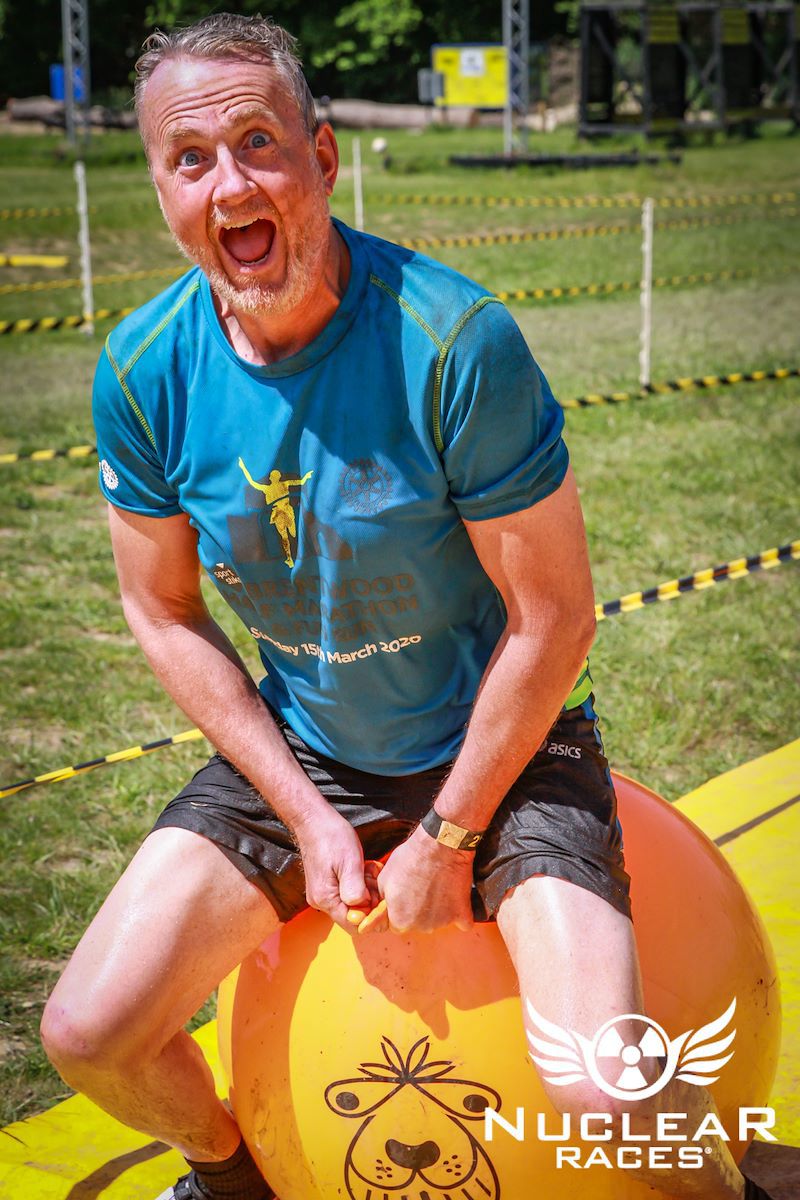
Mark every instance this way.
x=326 y=152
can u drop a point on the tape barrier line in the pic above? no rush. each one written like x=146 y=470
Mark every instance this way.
x=558 y=232
x=737 y=568
x=591 y=289
x=28 y=212
x=107 y=759
x=53 y=285
x=591 y=400
x=33 y=260
x=458 y=201
x=616 y=201
x=632 y=285
x=73 y=321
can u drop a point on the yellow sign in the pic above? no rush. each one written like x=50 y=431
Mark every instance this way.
x=473 y=75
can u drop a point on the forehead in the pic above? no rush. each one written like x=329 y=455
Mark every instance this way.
x=198 y=93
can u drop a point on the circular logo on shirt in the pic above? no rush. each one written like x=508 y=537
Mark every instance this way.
x=110 y=477
x=366 y=486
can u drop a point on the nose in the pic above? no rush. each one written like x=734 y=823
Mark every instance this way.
x=416 y=1158
x=232 y=185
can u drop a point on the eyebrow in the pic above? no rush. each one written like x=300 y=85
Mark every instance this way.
x=242 y=116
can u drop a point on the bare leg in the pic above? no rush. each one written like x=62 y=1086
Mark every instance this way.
x=576 y=961
x=178 y=921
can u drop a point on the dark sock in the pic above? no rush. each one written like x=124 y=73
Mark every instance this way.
x=753 y=1192
x=235 y=1178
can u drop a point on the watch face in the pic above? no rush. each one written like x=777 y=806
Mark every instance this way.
x=450 y=835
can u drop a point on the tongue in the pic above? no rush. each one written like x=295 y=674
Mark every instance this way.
x=251 y=242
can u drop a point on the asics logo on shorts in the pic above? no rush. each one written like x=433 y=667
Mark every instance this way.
x=563 y=750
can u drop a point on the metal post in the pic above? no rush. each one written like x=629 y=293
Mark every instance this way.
x=646 y=292
x=86 y=257
x=358 y=188
x=75 y=35
x=516 y=38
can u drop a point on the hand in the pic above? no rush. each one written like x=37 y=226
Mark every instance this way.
x=333 y=862
x=426 y=886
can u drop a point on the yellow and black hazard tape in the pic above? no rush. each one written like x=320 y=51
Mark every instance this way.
x=589 y=289
x=107 y=759
x=559 y=232
x=671 y=590
x=48 y=455
x=607 y=289
x=736 y=569
x=615 y=201
x=54 y=285
x=592 y=399
x=72 y=321
x=462 y=201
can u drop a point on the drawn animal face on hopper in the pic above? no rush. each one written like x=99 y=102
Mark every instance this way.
x=242 y=184
x=412 y=1138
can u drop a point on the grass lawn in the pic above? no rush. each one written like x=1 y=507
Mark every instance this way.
x=670 y=485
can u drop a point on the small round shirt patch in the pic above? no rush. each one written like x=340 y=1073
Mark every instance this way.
x=366 y=486
x=110 y=477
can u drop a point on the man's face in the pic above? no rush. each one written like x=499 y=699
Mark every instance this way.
x=242 y=184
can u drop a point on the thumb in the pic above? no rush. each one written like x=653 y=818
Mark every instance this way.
x=352 y=886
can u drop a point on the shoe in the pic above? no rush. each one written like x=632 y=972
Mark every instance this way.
x=188 y=1187
x=753 y=1192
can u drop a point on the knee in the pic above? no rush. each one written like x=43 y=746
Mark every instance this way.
x=79 y=1042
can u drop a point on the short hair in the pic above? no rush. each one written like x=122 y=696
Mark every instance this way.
x=229 y=35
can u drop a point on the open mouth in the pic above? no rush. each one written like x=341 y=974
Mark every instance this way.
x=249 y=244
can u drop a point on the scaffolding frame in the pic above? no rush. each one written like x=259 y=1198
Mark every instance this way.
x=734 y=63
x=75 y=35
x=516 y=38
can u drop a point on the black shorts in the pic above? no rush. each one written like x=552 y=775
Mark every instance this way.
x=559 y=819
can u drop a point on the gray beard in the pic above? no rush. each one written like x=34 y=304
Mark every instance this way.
x=261 y=299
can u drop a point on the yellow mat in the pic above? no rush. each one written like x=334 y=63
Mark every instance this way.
x=753 y=814
x=75 y=1152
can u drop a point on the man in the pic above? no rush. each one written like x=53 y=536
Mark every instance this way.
x=437 y=579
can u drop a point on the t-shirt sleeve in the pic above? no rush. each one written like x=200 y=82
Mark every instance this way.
x=500 y=424
x=131 y=474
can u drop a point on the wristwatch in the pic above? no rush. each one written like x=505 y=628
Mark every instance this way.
x=454 y=836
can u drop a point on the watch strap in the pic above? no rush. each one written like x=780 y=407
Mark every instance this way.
x=448 y=834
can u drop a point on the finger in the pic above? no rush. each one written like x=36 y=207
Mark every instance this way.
x=372 y=868
x=356 y=915
x=464 y=924
x=376 y=920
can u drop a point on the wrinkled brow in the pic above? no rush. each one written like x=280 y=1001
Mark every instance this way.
x=240 y=116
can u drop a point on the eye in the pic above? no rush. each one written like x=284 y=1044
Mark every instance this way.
x=190 y=158
x=348 y=1101
x=475 y=1103
x=259 y=140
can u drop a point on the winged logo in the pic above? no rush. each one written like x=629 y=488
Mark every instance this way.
x=615 y=1059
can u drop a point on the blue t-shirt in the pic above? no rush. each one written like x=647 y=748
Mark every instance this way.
x=328 y=489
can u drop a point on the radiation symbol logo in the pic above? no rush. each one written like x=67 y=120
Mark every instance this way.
x=630 y=1057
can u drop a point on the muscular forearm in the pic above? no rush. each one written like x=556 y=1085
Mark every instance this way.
x=204 y=675
x=523 y=689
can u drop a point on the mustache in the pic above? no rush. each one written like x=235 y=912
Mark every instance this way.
x=244 y=214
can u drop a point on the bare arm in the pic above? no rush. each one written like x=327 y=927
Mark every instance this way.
x=539 y=563
x=159 y=577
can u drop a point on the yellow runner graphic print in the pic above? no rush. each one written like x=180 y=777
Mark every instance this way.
x=276 y=494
